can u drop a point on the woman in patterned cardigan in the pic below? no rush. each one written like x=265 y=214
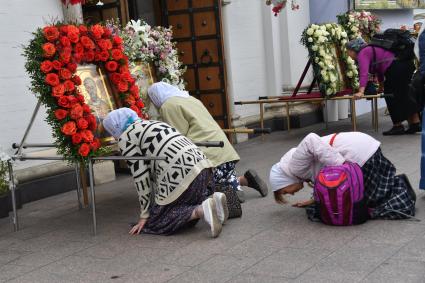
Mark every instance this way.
x=173 y=193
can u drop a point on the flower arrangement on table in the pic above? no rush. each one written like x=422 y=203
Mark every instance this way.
x=326 y=46
x=278 y=5
x=152 y=45
x=53 y=56
x=360 y=24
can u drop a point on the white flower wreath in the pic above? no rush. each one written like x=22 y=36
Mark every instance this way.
x=320 y=40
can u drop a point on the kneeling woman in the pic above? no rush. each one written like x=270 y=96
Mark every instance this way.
x=389 y=196
x=173 y=193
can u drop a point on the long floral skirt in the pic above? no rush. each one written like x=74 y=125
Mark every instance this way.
x=168 y=219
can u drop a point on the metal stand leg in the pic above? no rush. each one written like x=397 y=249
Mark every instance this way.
x=372 y=106
x=375 y=102
x=12 y=188
x=77 y=179
x=288 y=117
x=92 y=194
x=34 y=114
x=326 y=114
x=262 y=119
x=353 y=114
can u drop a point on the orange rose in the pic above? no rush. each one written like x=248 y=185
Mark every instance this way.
x=87 y=135
x=49 y=49
x=97 y=31
x=65 y=74
x=77 y=138
x=76 y=112
x=61 y=114
x=122 y=86
x=52 y=79
x=58 y=91
x=84 y=150
x=51 y=33
x=69 y=128
x=95 y=144
x=82 y=123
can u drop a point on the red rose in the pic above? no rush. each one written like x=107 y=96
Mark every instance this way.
x=104 y=56
x=126 y=76
x=86 y=109
x=89 y=56
x=117 y=40
x=61 y=114
x=69 y=128
x=65 y=41
x=122 y=86
x=134 y=89
x=87 y=42
x=73 y=29
x=58 y=91
x=83 y=29
x=123 y=68
x=65 y=74
x=117 y=54
x=65 y=55
x=79 y=48
x=72 y=100
x=97 y=31
x=73 y=37
x=57 y=65
x=78 y=57
x=46 y=66
x=72 y=67
x=92 y=122
x=76 y=138
x=87 y=135
x=51 y=33
x=64 y=102
x=69 y=86
x=111 y=66
x=115 y=78
x=105 y=44
x=81 y=99
x=84 y=150
x=107 y=32
x=76 y=112
x=64 y=29
x=52 y=79
x=140 y=104
x=82 y=123
x=135 y=109
x=49 y=49
x=95 y=144
x=76 y=80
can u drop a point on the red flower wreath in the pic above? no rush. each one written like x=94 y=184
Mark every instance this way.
x=63 y=47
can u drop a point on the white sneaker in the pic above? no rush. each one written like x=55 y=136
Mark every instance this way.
x=210 y=216
x=221 y=205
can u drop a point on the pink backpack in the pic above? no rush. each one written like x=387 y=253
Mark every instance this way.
x=339 y=194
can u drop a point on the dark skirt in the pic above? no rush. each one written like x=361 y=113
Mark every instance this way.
x=397 y=82
x=168 y=219
x=422 y=182
x=386 y=194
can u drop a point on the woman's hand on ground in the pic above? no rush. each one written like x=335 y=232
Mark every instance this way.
x=138 y=227
x=303 y=203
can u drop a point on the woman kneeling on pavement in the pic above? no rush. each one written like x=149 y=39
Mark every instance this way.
x=387 y=195
x=190 y=117
x=173 y=193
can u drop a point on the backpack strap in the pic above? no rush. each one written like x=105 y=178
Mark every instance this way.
x=331 y=142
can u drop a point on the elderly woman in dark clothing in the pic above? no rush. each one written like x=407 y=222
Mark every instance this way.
x=394 y=77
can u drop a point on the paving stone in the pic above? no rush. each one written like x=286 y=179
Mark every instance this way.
x=252 y=278
x=10 y=271
x=398 y=271
x=10 y=255
x=288 y=262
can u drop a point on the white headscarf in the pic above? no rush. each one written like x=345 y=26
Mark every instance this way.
x=280 y=178
x=416 y=49
x=117 y=121
x=160 y=92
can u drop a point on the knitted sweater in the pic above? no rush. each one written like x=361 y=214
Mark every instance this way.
x=166 y=180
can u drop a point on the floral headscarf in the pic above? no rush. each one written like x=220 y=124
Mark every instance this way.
x=356 y=44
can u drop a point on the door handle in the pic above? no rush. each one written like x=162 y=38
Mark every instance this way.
x=206 y=57
x=209 y=78
x=204 y=23
x=179 y=26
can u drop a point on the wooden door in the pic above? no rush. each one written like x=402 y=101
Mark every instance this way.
x=197 y=31
x=111 y=9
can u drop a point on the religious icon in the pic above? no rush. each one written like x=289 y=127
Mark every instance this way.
x=144 y=79
x=96 y=91
x=386 y=4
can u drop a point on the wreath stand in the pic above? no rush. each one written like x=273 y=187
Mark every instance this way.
x=79 y=170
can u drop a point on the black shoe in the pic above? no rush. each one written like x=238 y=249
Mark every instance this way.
x=395 y=131
x=414 y=128
x=256 y=183
x=408 y=186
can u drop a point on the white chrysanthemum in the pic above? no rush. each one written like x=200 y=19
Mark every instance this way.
x=350 y=74
x=310 y=39
x=310 y=31
x=314 y=48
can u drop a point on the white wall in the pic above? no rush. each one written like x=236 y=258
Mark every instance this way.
x=263 y=52
x=18 y=19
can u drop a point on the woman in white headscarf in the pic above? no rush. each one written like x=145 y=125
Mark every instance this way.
x=173 y=193
x=386 y=194
x=188 y=115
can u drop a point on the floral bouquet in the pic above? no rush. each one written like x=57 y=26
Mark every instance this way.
x=152 y=45
x=278 y=5
x=4 y=176
x=360 y=24
x=322 y=41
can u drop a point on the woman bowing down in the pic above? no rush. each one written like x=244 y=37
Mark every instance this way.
x=174 y=192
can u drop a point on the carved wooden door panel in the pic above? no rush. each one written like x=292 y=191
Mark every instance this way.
x=197 y=31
